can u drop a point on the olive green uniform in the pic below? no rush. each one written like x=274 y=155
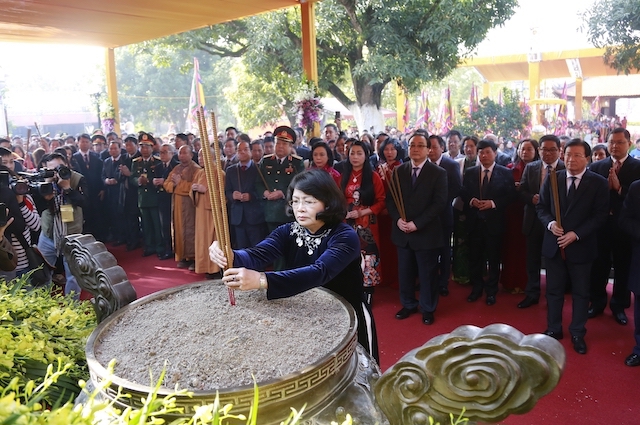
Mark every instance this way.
x=277 y=176
x=148 y=202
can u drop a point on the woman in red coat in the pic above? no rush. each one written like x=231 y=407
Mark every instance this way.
x=365 y=196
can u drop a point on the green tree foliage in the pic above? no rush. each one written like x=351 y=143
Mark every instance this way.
x=362 y=45
x=507 y=120
x=154 y=88
x=615 y=25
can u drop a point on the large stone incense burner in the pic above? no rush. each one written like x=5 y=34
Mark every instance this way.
x=490 y=372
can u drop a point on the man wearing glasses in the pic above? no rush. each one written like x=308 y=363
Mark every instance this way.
x=573 y=205
x=533 y=176
x=416 y=208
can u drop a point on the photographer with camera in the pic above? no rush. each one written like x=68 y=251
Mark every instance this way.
x=28 y=212
x=63 y=215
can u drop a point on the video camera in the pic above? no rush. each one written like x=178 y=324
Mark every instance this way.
x=34 y=182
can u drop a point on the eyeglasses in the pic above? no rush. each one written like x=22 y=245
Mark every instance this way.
x=307 y=203
x=549 y=150
x=417 y=146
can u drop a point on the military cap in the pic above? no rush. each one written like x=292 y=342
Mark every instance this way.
x=284 y=134
x=145 y=139
x=4 y=151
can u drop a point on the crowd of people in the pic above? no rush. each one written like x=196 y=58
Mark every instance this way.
x=423 y=210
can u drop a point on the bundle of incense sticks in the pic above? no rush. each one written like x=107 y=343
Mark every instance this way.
x=396 y=191
x=215 y=184
x=553 y=181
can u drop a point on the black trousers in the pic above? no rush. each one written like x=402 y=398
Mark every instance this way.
x=484 y=249
x=559 y=272
x=614 y=248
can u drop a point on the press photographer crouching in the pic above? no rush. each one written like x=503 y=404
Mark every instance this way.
x=21 y=207
x=63 y=215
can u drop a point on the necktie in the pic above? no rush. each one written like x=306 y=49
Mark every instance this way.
x=616 y=167
x=485 y=184
x=86 y=160
x=572 y=189
x=545 y=172
x=414 y=175
x=243 y=167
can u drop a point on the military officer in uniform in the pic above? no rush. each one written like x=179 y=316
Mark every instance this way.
x=275 y=172
x=144 y=169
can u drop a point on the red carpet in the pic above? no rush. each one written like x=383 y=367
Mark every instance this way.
x=596 y=388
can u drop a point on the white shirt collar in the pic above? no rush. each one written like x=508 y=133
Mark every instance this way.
x=490 y=168
x=414 y=165
x=578 y=176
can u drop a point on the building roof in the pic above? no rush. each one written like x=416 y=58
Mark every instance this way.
x=619 y=86
x=114 y=23
x=561 y=64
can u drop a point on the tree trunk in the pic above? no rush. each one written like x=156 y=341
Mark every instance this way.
x=368 y=117
x=367 y=111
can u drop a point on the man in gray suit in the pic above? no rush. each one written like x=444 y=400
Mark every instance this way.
x=533 y=176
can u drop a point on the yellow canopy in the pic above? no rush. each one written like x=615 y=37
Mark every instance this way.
x=114 y=23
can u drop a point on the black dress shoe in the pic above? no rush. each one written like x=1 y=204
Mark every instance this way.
x=555 y=335
x=444 y=291
x=579 y=345
x=132 y=247
x=165 y=256
x=473 y=297
x=406 y=312
x=427 y=318
x=527 y=302
x=148 y=253
x=620 y=317
x=632 y=360
x=491 y=299
x=592 y=312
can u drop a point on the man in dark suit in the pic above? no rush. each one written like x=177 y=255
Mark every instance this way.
x=570 y=240
x=114 y=194
x=436 y=150
x=417 y=234
x=245 y=204
x=131 y=211
x=488 y=189
x=630 y=223
x=620 y=170
x=89 y=164
x=164 y=198
x=533 y=176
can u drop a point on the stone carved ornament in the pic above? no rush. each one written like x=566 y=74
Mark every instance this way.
x=97 y=271
x=491 y=372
